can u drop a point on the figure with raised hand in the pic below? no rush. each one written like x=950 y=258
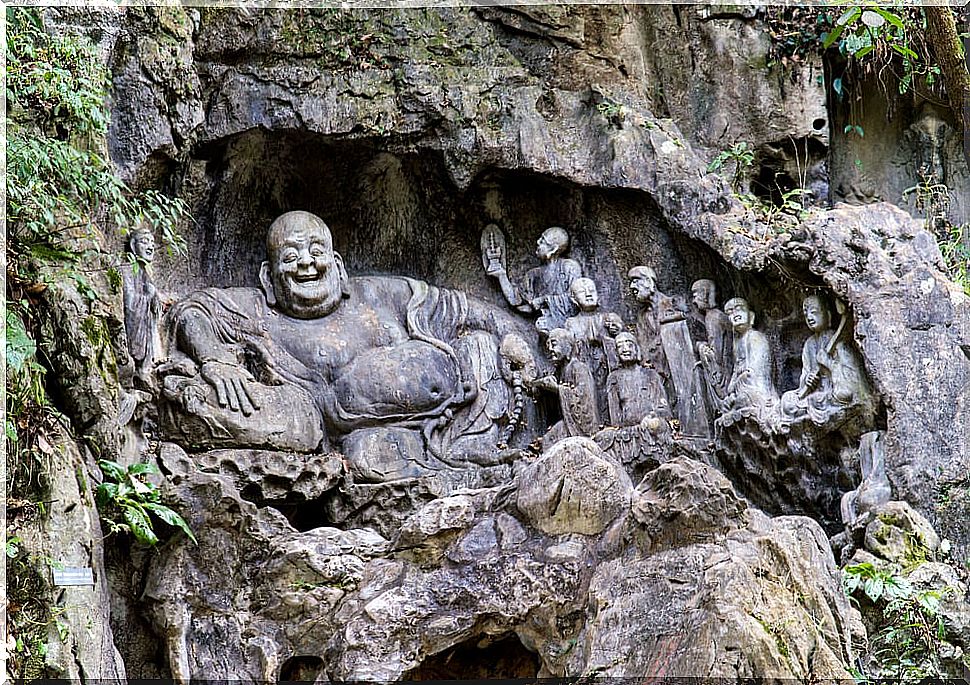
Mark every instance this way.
x=544 y=292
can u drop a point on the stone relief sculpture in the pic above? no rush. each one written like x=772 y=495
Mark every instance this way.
x=544 y=292
x=655 y=308
x=592 y=333
x=142 y=305
x=832 y=380
x=634 y=391
x=750 y=390
x=408 y=380
x=874 y=490
x=520 y=368
x=714 y=348
x=639 y=432
x=575 y=388
x=315 y=356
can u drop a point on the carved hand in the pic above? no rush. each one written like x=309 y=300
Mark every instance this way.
x=232 y=384
x=493 y=254
x=546 y=383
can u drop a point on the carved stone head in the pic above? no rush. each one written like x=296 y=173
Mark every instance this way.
x=559 y=344
x=553 y=242
x=141 y=243
x=583 y=293
x=739 y=313
x=643 y=283
x=517 y=356
x=703 y=294
x=817 y=315
x=303 y=276
x=627 y=349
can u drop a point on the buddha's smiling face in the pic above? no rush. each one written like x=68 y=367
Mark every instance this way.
x=304 y=269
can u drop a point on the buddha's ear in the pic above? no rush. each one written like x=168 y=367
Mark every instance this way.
x=267 y=284
x=342 y=273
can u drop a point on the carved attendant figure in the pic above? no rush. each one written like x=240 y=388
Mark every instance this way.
x=750 y=390
x=575 y=387
x=832 y=379
x=545 y=290
x=717 y=328
x=656 y=309
x=142 y=306
x=634 y=391
x=592 y=330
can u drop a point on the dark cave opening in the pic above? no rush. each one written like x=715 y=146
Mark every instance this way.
x=302 y=514
x=504 y=658
x=300 y=669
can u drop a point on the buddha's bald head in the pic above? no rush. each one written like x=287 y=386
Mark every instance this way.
x=303 y=276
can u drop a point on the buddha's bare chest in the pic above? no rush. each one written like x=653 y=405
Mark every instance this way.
x=329 y=343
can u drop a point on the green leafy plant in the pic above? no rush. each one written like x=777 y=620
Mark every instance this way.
x=61 y=193
x=911 y=642
x=128 y=502
x=932 y=200
x=611 y=110
x=885 y=35
x=781 y=215
x=741 y=155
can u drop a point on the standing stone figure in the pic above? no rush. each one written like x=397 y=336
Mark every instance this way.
x=545 y=289
x=142 y=305
x=717 y=328
x=592 y=331
x=832 y=379
x=634 y=391
x=656 y=308
x=750 y=391
x=575 y=387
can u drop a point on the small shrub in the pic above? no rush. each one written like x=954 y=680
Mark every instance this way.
x=128 y=502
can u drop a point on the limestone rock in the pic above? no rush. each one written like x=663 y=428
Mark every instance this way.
x=573 y=488
x=685 y=502
x=77 y=642
x=900 y=534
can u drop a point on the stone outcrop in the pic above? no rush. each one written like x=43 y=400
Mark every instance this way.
x=685 y=579
x=409 y=130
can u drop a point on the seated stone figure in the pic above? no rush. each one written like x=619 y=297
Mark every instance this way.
x=634 y=391
x=639 y=432
x=575 y=387
x=750 y=390
x=832 y=381
x=314 y=355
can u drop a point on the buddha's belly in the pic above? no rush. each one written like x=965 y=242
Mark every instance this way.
x=410 y=378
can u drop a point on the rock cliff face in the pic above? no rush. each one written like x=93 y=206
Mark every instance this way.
x=408 y=131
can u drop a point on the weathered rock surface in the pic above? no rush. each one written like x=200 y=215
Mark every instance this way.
x=708 y=586
x=409 y=130
x=573 y=488
x=79 y=641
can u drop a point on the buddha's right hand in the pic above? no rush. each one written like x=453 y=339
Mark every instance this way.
x=233 y=385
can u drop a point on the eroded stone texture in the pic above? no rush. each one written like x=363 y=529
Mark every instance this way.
x=585 y=601
x=407 y=142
